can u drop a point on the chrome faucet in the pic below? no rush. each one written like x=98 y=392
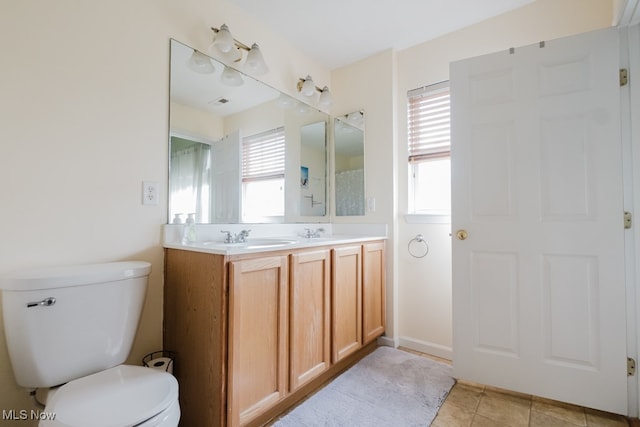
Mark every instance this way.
x=229 y=236
x=310 y=234
x=242 y=237
x=238 y=238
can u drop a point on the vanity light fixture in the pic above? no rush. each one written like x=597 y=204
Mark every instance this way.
x=347 y=123
x=231 y=77
x=200 y=63
x=286 y=102
x=232 y=49
x=254 y=63
x=308 y=89
x=356 y=118
x=223 y=40
x=326 y=100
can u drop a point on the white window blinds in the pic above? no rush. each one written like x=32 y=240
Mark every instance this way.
x=263 y=155
x=429 y=126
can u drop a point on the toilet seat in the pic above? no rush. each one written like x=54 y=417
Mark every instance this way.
x=122 y=396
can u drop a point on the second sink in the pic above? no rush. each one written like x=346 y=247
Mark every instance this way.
x=262 y=243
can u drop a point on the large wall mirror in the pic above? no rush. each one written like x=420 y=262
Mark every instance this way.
x=239 y=148
x=349 y=164
x=313 y=169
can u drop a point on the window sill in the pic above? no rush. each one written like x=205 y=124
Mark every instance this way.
x=427 y=219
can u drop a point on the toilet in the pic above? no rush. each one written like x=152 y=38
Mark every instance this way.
x=68 y=331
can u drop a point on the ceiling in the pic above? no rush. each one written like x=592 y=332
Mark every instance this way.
x=339 y=32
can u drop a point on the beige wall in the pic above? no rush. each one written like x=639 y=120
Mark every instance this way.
x=424 y=306
x=84 y=119
x=196 y=123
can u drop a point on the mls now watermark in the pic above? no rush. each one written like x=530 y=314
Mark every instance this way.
x=23 y=414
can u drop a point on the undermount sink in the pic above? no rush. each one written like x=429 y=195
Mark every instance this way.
x=264 y=243
x=318 y=239
x=254 y=243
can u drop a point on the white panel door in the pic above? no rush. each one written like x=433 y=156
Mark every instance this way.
x=226 y=160
x=538 y=283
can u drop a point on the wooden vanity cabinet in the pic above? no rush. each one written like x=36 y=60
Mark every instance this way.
x=358 y=302
x=373 y=291
x=309 y=318
x=346 y=303
x=258 y=336
x=255 y=333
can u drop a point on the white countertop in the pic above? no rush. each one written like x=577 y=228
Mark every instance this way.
x=268 y=244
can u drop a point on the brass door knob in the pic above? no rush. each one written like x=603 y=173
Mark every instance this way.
x=462 y=234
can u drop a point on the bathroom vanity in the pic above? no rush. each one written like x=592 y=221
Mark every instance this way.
x=256 y=327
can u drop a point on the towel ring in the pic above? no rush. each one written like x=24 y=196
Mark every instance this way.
x=418 y=253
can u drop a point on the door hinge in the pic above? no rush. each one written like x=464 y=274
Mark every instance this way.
x=631 y=367
x=627 y=220
x=624 y=76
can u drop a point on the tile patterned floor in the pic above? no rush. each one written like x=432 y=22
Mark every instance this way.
x=475 y=405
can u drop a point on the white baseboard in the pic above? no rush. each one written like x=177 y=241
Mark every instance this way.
x=389 y=342
x=427 y=347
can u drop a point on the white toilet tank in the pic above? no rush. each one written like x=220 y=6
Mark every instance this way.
x=68 y=322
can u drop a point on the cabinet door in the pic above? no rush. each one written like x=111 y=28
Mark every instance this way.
x=346 y=311
x=373 y=291
x=257 y=336
x=309 y=316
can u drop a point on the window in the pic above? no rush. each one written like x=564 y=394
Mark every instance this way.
x=429 y=140
x=263 y=175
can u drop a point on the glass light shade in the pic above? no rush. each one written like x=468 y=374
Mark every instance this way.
x=200 y=63
x=223 y=40
x=308 y=87
x=302 y=109
x=325 y=97
x=355 y=118
x=286 y=102
x=234 y=55
x=231 y=77
x=254 y=63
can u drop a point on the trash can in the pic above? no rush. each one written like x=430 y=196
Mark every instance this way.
x=161 y=360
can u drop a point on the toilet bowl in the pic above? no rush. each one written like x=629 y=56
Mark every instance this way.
x=122 y=396
x=75 y=326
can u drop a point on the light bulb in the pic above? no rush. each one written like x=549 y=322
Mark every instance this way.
x=200 y=63
x=325 y=97
x=231 y=77
x=308 y=88
x=255 y=61
x=286 y=102
x=223 y=40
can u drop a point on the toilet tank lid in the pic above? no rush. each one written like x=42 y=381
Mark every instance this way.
x=121 y=396
x=76 y=275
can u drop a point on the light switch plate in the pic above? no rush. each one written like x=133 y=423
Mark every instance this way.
x=371 y=204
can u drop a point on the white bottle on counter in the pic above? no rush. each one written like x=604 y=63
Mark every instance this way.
x=189 y=231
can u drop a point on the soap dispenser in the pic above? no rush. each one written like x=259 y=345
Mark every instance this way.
x=189 y=232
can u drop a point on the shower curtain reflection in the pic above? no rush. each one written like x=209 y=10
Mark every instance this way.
x=349 y=191
x=190 y=190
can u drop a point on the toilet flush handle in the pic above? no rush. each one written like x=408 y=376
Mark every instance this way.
x=44 y=303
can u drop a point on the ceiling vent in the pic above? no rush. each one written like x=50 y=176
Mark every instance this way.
x=219 y=102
